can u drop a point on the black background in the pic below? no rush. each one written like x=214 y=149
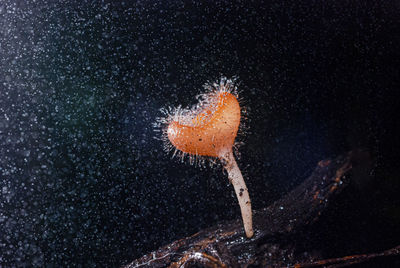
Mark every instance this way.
x=83 y=181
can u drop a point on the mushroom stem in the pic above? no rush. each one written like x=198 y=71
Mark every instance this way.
x=242 y=194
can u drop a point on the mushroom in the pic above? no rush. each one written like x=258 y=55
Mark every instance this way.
x=210 y=130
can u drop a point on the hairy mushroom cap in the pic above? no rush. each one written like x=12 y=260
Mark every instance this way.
x=211 y=131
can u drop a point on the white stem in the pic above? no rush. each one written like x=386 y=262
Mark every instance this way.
x=242 y=194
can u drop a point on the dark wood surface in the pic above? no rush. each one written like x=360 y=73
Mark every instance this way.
x=279 y=230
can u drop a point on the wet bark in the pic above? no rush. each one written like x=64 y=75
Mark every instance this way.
x=278 y=230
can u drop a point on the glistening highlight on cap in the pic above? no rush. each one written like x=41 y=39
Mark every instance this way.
x=210 y=130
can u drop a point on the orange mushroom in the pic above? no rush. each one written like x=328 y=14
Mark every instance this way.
x=211 y=131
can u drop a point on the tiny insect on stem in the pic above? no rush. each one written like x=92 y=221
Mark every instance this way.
x=242 y=194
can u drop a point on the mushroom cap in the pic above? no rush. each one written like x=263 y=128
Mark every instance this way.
x=212 y=131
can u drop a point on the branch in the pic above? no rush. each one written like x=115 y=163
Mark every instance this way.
x=349 y=260
x=277 y=229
